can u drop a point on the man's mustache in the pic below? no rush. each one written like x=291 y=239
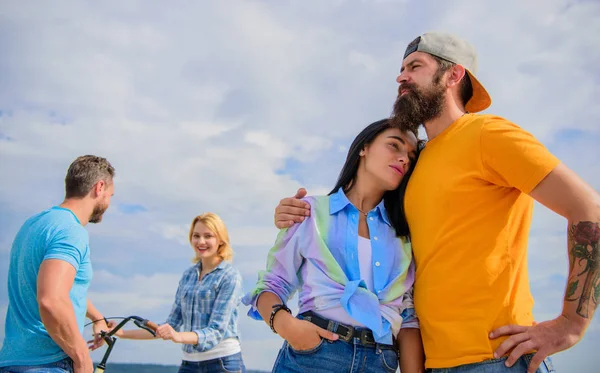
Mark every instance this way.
x=408 y=87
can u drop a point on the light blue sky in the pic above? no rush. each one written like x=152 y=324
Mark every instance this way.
x=230 y=106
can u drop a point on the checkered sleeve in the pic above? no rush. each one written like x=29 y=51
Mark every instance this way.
x=175 y=318
x=226 y=301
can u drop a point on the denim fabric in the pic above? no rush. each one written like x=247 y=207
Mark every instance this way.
x=228 y=364
x=338 y=356
x=62 y=366
x=497 y=366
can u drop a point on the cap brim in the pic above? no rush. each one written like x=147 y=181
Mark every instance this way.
x=481 y=100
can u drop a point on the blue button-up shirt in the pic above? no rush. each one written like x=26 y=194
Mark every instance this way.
x=208 y=307
x=319 y=257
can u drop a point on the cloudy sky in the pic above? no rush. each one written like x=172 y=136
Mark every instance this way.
x=228 y=106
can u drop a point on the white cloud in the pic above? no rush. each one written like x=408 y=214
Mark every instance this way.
x=179 y=233
x=363 y=60
x=253 y=235
x=204 y=108
x=267 y=144
x=135 y=293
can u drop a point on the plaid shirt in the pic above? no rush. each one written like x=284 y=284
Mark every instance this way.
x=208 y=307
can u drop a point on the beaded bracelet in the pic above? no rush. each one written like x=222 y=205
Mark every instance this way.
x=277 y=308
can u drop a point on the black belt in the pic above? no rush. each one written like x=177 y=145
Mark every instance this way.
x=346 y=332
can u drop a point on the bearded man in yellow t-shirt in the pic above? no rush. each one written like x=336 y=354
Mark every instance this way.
x=469 y=204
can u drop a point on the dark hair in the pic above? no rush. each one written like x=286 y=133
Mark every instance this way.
x=84 y=173
x=465 y=89
x=393 y=199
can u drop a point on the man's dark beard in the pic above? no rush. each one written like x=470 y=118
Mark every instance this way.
x=418 y=106
x=96 y=216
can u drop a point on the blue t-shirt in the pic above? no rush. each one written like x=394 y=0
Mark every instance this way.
x=52 y=234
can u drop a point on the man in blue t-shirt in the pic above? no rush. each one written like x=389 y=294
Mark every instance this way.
x=49 y=273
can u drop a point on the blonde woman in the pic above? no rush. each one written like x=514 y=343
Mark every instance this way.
x=205 y=312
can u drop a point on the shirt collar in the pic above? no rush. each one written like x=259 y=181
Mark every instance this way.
x=66 y=209
x=221 y=265
x=338 y=201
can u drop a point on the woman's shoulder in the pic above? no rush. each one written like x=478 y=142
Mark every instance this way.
x=321 y=198
x=230 y=271
x=317 y=202
x=191 y=270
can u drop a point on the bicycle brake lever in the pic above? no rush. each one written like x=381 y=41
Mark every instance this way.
x=108 y=339
x=104 y=335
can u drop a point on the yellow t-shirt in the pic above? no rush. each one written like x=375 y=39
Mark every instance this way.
x=469 y=217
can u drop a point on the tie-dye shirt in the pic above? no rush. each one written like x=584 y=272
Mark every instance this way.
x=319 y=258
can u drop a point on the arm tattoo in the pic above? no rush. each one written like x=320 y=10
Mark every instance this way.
x=584 y=269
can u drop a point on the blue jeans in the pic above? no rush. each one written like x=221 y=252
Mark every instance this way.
x=62 y=366
x=497 y=366
x=337 y=356
x=228 y=364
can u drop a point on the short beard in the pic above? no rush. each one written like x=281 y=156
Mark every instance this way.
x=97 y=213
x=418 y=106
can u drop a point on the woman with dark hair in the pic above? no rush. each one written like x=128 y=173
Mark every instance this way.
x=351 y=261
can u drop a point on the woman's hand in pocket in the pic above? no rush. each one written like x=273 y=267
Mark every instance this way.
x=303 y=335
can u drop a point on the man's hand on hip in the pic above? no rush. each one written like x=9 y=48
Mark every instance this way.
x=546 y=338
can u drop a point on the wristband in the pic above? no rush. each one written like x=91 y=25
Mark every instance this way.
x=277 y=308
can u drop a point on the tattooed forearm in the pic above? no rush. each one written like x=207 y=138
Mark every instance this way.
x=584 y=269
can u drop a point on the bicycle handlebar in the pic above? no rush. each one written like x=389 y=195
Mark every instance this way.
x=138 y=321
x=110 y=339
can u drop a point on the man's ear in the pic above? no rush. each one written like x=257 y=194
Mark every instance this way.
x=99 y=187
x=456 y=73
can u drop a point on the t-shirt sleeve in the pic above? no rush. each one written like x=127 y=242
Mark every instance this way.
x=70 y=245
x=513 y=157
